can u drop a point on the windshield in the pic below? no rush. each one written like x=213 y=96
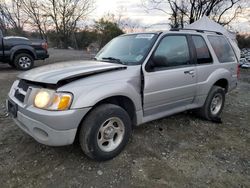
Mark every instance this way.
x=127 y=49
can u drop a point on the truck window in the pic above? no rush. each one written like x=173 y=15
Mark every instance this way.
x=222 y=49
x=172 y=51
x=202 y=51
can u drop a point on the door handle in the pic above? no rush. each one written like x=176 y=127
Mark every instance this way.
x=191 y=72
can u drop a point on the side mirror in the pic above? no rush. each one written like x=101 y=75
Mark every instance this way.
x=159 y=61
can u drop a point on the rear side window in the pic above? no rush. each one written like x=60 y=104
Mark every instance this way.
x=202 y=51
x=222 y=49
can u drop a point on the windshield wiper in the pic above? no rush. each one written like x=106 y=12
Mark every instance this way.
x=113 y=59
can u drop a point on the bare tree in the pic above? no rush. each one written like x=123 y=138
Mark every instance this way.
x=36 y=16
x=123 y=21
x=3 y=22
x=187 y=11
x=65 y=15
x=129 y=26
x=11 y=16
x=178 y=13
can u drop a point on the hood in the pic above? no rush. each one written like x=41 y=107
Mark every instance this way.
x=55 y=73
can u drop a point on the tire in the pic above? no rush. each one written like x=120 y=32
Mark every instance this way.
x=105 y=132
x=211 y=110
x=23 y=61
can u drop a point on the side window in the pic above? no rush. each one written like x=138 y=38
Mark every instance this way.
x=202 y=51
x=222 y=49
x=172 y=51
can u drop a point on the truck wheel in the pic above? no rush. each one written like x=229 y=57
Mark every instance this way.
x=105 y=132
x=214 y=104
x=23 y=61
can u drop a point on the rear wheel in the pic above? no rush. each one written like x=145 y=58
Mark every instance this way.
x=23 y=61
x=105 y=132
x=214 y=104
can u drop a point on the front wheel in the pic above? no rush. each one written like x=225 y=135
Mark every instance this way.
x=105 y=132
x=214 y=104
x=23 y=61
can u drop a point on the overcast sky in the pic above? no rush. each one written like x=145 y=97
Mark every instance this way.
x=133 y=10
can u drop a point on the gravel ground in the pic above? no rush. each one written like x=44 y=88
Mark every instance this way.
x=177 y=151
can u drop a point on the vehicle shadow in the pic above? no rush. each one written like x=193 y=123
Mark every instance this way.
x=6 y=67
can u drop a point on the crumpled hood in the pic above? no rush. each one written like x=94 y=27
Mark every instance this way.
x=52 y=74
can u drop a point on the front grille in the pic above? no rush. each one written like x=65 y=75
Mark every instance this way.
x=21 y=90
x=19 y=96
x=23 y=85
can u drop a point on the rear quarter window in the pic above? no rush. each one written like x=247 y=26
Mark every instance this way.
x=202 y=51
x=222 y=49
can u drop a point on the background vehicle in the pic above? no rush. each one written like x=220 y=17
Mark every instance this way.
x=20 y=52
x=136 y=78
x=245 y=65
x=243 y=61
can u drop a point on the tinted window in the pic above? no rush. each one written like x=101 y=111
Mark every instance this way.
x=172 y=51
x=222 y=49
x=202 y=51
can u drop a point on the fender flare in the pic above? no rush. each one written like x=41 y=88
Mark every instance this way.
x=22 y=47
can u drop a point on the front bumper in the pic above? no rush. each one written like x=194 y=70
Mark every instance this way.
x=53 y=128
x=44 y=134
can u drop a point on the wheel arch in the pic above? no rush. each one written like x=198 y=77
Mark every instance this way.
x=120 y=100
x=223 y=82
x=20 y=50
x=123 y=101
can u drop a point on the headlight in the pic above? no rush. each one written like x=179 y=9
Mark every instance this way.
x=42 y=99
x=50 y=100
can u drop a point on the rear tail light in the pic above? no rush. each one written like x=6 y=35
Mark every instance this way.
x=45 y=45
x=238 y=71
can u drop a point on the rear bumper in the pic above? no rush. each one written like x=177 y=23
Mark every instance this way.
x=41 y=54
x=233 y=84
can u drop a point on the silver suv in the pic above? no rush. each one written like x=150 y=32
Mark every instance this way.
x=135 y=78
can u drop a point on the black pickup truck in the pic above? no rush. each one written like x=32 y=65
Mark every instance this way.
x=20 y=52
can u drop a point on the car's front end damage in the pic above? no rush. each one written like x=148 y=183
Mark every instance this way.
x=52 y=123
x=41 y=108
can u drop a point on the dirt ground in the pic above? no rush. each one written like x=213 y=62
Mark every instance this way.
x=177 y=151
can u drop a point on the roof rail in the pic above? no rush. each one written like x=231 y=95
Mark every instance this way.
x=197 y=30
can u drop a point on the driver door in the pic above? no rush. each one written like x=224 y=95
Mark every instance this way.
x=169 y=77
